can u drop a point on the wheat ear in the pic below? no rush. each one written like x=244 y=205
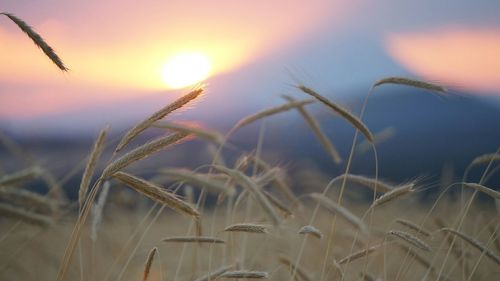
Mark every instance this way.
x=26 y=216
x=368 y=182
x=198 y=180
x=38 y=40
x=193 y=239
x=353 y=120
x=157 y=193
x=21 y=176
x=413 y=226
x=343 y=212
x=201 y=133
x=137 y=129
x=271 y=111
x=141 y=152
x=247 y=227
x=91 y=164
x=301 y=274
x=360 y=254
x=411 y=239
x=247 y=183
x=30 y=199
x=410 y=82
x=316 y=128
x=245 y=274
x=309 y=229
x=215 y=274
x=392 y=195
x=476 y=244
x=490 y=192
x=149 y=262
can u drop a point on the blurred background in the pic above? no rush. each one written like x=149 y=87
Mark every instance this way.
x=128 y=59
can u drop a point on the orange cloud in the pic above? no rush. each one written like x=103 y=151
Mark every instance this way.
x=464 y=58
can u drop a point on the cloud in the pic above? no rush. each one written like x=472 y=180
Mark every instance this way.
x=462 y=57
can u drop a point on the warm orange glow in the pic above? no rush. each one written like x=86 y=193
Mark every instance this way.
x=463 y=58
x=185 y=69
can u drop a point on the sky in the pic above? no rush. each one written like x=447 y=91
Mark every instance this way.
x=118 y=51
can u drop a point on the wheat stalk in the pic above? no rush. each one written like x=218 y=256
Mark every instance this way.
x=410 y=82
x=353 y=120
x=316 y=128
x=141 y=152
x=157 y=193
x=413 y=226
x=247 y=227
x=411 y=239
x=476 y=244
x=192 y=239
x=343 y=212
x=271 y=111
x=91 y=164
x=137 y=129
x=38 y=40
x=309 y=229
x=149 y=262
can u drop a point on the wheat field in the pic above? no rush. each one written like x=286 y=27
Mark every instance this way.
x=241 y=219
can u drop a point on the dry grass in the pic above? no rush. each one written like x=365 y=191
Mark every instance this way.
x=34 y=234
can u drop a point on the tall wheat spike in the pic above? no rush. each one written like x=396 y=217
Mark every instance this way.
x=141 y=152
x=38 y=40
x=91 y=164
x=300 y=273
x=343 y=212
x=215 y=274
x=26 y=216
x=20 y=176
x=149 y=262
x=476 y=244
x=137 y=129
x=353 y=120
x=494 y=194
x=271 y=111
x=157 y=193
x=413 y=240
x=410 y=82
x=316 y=128
x=247 y=183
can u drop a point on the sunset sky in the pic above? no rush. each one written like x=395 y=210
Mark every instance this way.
x=123 y=55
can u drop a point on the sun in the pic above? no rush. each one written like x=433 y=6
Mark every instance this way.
x=185 y=69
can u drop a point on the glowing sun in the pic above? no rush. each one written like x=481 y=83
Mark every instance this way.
x=185 y=69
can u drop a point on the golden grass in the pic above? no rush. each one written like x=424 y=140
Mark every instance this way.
x=268 y=244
